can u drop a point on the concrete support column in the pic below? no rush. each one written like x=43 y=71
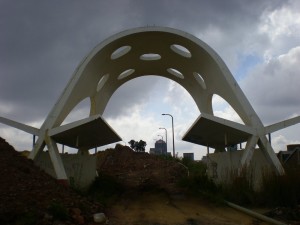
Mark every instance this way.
x=83 y=151
x=249 y=149
x=56 y=160
x=39 y=146
x=265 y=145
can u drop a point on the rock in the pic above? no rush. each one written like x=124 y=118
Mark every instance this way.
x=100 y=218
x=75 y=211
x=78 y=219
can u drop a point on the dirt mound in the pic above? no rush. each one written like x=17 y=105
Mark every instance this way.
x=289 y=214
x=30 y=196
x=140 y=170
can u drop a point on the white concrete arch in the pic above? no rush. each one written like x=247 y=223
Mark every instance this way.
x=203 y=60
x=160 y=51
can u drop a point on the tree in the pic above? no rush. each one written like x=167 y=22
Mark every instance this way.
x=141 y=145
x=132 y=144
x=137 y=146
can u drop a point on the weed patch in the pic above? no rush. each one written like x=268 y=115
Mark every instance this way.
x=105 y=189
x=281 y=190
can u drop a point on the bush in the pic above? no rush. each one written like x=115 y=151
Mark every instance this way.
x=239 y=191
x=198 y=183
x=105 y=189
x=281 y=190
x=275 y=190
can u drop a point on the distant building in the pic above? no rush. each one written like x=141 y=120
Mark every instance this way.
x=189 y=156
x=160 y=148
x=291 y=157
x=293 y=147
x=283 y=155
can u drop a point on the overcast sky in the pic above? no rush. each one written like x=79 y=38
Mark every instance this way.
x=42 y=42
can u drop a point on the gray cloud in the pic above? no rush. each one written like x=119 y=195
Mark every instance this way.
x=273 y=88
x=42 y=42
x=134 y=93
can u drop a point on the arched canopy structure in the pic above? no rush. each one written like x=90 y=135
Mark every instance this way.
x=160 y=51
x=152 y=51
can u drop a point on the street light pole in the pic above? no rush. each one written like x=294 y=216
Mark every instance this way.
x=165 y=114
x=166 y=137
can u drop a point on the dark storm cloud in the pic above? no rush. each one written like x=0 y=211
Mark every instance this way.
x=42 y=42
x=41 y=45
x=127 y=97
x=194 y=15
x=137 y=92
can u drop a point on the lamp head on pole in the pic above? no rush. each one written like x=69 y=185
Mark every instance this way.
x=167 y=114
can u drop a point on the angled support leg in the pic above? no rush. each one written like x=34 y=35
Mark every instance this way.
x=39 y=146
x=56 y=160
x=247 y=156
x=265 y=145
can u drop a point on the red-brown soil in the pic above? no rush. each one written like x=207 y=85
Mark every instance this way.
x=139 y=170
x=30 y=196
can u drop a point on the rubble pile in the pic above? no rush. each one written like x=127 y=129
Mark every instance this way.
x=139 y=169
x=30 y=196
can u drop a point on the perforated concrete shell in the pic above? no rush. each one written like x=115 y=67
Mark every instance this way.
x=160 y=51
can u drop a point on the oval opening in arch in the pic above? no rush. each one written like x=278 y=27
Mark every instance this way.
x=125 y=73
x=120 y=52
x=175 y=73
x=150 y=57
x=181 y=50
x=200 y=80
x=222 y=109
x=102 y=82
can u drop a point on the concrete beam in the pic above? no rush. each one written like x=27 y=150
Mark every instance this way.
x=281 y=125
x=20 y=126
x=87 y=133
x=215 y=132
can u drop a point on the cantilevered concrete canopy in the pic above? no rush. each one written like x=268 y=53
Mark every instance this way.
x=85 y=134
x=160 y=51
x=217 y=133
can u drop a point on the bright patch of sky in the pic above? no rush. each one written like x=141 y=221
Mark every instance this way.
x=145 y=119
x=246 y=64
